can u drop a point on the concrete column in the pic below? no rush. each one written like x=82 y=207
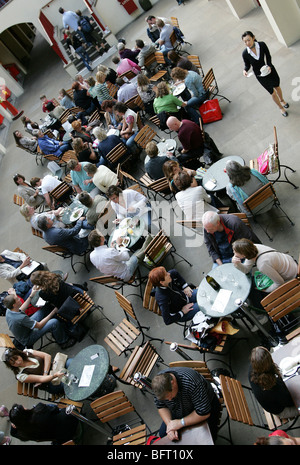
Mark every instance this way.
x=284 y=18
x=240 y=8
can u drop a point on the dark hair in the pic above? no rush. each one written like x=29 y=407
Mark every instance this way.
x=17 y=139
x=27 y=421
x=264 y=371
x=150 y=17
x=61 y=10
x=121 y=107
x=120 y=81
x=94 y=238
x=248 y=33
x=107 y=104
x=16 y=176
x=139 y=43
x=34 y=181
x=50 y=106
x=162 y=384
x=10 y=355
x=85 y=198
x=9 y=301
x=113 y=190
x=183 y=180
x=173 y=56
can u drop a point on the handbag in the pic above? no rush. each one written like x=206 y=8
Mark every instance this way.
x=262 y=281
x=59 y=362
x=268 y=161
x=210 y=111
x=69 y=309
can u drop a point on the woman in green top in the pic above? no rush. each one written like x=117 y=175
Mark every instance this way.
x=166 y=102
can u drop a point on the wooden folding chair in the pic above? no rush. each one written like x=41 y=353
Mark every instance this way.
x=61 y=193
x=158 y=249
x=133 y=437
x=6 y=341
x=128 y=74
x=142 y=360
x=117 y=405
x=87 y=307
x=256 y=202
x=196 y=61
x=156 y=121
x=125 y=179
x=145 y=135
x=112 y=89
x=280 y=303
x=210 y=84
x=36 y=232
x=31 y=390
x=174 y=21
x=114 y=157
x=112 y=282
x=197 y=365
x=237 y=406
x=130 y=103
x=281 y=168
x=18 y=200
x=126 y=332
x=159 y=187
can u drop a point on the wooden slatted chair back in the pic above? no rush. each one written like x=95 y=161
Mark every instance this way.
x=137 y=187
x=197 y=365
x=196 y=62
x=116 y=153
x=122 y=336
x=154 y=249
x=242 y=217
x=112 y=89
x=133 y=437
x=145 y=135
x=159 y=185
x=282 y=300
x=139 y=103
x=128 y=74
x=209 y=83
x=112 y=406
x=37 y=233
x=174 y=21
x=159 y=75
x=260 y=196
x=61 y=190
x=130 y=103
x=142 y=360
x=139 y=121
x=149 y=60
x=149 y=301
x=86 y=304
x=27 y=390
x=5 y=341
x=235 y=400
x=126 y=305
x=160 y=59
x=58 y=250
x=18 y=200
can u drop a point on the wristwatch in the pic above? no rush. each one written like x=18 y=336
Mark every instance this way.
x=182 y=421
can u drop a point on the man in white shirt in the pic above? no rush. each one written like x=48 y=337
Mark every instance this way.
x=46 y=185
x=126 y=90
x=70 y=19
x=109 y=260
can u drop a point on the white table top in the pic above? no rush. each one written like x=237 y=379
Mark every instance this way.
x=216 y=175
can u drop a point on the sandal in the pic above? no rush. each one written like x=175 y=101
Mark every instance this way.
x=286 y=105
x=285 y=114
x=6 y=441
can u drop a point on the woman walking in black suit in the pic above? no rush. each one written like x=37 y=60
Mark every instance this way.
x=257 y=55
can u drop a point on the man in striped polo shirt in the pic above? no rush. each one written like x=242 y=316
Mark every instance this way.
x=184 y=398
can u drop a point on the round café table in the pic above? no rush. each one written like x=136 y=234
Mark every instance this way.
x=137 y=232
x=66 y=214
x=215 y=179
x=206 y=295
x=93 y=355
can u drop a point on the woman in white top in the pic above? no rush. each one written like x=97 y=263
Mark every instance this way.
x=32 y=366
x=278 y=266
x=192 y=199
x=129 y=125
x=31 y=216
x=129 y=203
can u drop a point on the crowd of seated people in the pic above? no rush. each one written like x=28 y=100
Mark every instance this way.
x=96 y=185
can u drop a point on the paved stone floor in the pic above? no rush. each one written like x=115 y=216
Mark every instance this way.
x=245 y=130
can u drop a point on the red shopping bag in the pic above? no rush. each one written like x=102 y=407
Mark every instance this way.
x=210 y=111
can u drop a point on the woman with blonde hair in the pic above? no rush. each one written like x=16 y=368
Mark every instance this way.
x=101 y=89
x=110 y=73
x=32 y=217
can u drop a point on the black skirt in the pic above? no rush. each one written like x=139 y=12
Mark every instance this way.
x=270 y=81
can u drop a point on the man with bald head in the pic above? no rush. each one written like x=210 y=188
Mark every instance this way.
x=190 y=137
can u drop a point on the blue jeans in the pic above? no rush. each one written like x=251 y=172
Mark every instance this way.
x=130 y=144
x=132 y=265
x=224 y=260
x=84 y=56
x=53 y=326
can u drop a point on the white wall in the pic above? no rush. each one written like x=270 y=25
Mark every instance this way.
x=284 y=18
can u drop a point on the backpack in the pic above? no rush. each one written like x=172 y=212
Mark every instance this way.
x=85 y=24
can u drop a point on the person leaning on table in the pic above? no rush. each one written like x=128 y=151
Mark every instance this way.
x=184 y=397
